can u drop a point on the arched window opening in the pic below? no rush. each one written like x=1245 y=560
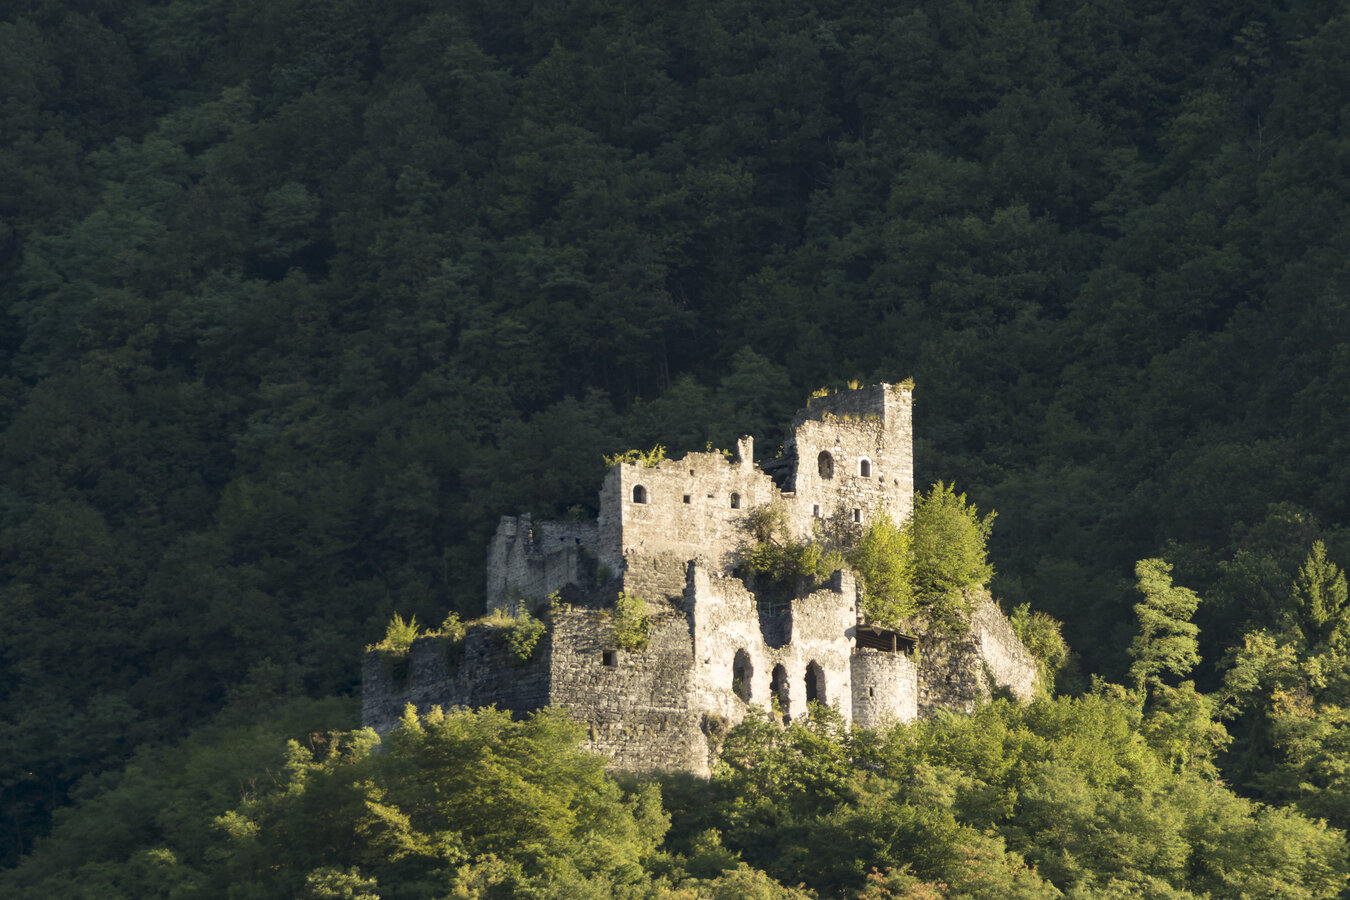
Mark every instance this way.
x=815 y=683
x=778 y=689
x=740 y=675
x=865 y=468
x=639 y=494
x=735 y=501
x=825 y=464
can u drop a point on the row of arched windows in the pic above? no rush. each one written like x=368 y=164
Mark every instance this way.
x=742 y=673
x=825 y=466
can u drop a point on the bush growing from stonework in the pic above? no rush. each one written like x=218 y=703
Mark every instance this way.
x=883 y=560
x=632 y=624
x=519 y=634
x=774 y=555
x=1040 y=633
x=948 y=548
x=398 y=637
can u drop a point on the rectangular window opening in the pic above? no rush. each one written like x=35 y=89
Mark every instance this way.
x=857 y=515
x=610 y=657
x=686 y=498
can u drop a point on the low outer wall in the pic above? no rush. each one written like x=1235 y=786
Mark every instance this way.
x=485 y=673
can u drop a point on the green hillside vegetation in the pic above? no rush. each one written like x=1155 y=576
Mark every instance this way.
x=298 y=297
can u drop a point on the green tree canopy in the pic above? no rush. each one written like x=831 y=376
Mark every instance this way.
x=1166 y=643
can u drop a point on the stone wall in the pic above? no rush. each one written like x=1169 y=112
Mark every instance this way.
x=726 y=620
x=854 y=457
x=1008 y=661
x=656 y=578
x=527 y=561
x=635 y=703
x=436 y=672
x=685 y=509
x=956 y=671
x=885 y=688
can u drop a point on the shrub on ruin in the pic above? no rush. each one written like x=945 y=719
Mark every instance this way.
x=948 y=549
x=883 y=560
x=632 y=624
x=645 y=458
x=1040 y=633
x=774 y=555
x=398 y=636
x=518 y=634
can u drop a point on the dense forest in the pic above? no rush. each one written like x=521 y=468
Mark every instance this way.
x=298 y=296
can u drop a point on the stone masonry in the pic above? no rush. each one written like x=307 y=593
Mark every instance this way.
x=672 y=533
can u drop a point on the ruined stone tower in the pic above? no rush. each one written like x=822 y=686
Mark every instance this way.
x=672 y=533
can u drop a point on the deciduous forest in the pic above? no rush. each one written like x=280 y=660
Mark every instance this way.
x=297 y=297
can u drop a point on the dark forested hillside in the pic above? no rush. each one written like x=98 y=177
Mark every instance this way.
x=298 y=296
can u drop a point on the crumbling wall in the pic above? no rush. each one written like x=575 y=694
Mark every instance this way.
x=478 y=671
x=959 y=670
x=725 y=619
x=854 y=458
x=885 y=688
x=527 y=561
x=634 y=702
x=656 y=577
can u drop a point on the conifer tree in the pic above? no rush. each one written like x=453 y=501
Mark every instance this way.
x=1324 y=615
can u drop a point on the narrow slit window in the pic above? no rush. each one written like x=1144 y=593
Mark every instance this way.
x=857 y=515
x=815 y=510
x=735 y=501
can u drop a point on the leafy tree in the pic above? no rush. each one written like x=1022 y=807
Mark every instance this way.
x=1166 y=642
x=948 y=541
x=1040 y=633
x=882 y=557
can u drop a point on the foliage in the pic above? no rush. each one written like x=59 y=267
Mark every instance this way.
x=1040 y=633
x=948 y=541
x=1060 y=795
x=398 y=637
x=1166 y=642
x=451 y=628
x=1323 y=607
x=647 y=458
x=632 y=624
x=883 y=559
x=519 y=634
x=775 y=556
x=299 y=300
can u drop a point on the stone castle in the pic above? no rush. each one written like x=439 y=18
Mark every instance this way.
x=671 y=532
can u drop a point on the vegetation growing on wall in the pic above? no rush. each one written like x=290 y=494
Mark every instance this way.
x=644 y=458
x=632 y=623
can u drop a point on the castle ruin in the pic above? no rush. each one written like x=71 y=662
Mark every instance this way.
x=672 y=533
